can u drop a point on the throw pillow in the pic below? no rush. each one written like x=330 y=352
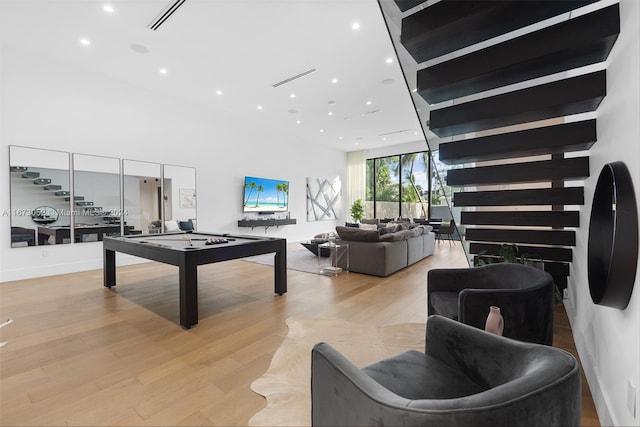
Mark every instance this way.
x=185 y=225
x=171 y=225
x=356 y=234
x=367 y=226
x=369 y=221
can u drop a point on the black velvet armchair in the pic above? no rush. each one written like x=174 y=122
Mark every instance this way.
x=524 y=295
x=466 y=377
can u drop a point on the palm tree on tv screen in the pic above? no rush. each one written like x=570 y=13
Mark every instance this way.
x=278 y=190
x=260 y=190
x=285 y=189
x=251 y=186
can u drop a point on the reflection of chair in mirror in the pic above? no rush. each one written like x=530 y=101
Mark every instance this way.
x=155 y=227
x=524 y=295
x=465 y=377
x=447 y=230
x=21 y=236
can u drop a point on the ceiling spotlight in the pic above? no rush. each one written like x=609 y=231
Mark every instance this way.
x=259 y=107
x=334 y=80
x=330 y=113
x=355 y=25
x=321 y=130
x=108 y=8
x=389 y=60
x=218 y=92
x=339 y=137
x=298 y=121
x=163 y=71
x=293 y=95
x=368 y=102
x=85 y=42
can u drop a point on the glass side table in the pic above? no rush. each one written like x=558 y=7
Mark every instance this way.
x=336 y=262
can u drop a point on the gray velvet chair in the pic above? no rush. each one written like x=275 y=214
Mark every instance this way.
x=466 y=377
x=524 y=295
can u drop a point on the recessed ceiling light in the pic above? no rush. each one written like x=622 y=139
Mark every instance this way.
x=218 y=92
x=293 y=95
x=355 y=25
x=389 y=60
x=321 y=130
x=368 y=102
x=339 y=137
x=163 y=71
x=330 y=113
x=298 y=121
x=85 y=42
x=334 y=80
x=108 y=8
x=384 y=139
x=259 y=107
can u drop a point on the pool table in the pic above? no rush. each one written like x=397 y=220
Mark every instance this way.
x=188 y=251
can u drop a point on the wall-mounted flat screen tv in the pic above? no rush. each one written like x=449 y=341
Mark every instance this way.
x=265 y=195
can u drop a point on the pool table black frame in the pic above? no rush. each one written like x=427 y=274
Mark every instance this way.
x=188 y=260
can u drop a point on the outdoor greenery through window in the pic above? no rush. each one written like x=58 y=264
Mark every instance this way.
x=398 y=186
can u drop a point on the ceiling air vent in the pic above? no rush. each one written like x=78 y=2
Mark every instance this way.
x=166 y=14
x=292 y=78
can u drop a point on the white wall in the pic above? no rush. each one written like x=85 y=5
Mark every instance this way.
x=47 y=104
x=608 y=340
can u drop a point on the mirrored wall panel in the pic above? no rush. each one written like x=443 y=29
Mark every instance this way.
x=179 y=198
x=39 y=196
x=142 y=190
x=96 y=198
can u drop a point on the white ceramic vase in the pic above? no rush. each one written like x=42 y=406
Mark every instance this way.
x=495 y=322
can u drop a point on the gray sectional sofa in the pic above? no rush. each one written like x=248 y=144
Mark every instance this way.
x=386 y=250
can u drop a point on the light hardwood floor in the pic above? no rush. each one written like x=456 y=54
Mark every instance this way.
x=80 y=354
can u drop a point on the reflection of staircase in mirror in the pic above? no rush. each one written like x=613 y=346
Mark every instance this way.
x=46 y=185
x=497 y=117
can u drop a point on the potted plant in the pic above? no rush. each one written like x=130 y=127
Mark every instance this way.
x=357 y=210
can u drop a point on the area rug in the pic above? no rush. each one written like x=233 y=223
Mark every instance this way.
x=287 y=383
x=298 y=258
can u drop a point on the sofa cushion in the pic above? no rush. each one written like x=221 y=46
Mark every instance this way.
x=369 y=221
x=362 y=226
x=415 y=375
x=398 y=235
x=356 y=234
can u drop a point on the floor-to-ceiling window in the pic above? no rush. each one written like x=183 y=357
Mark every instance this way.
x=398 y=186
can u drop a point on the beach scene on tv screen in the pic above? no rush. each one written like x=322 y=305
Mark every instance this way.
x=265 y=195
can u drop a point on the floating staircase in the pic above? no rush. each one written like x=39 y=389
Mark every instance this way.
x=504 y=89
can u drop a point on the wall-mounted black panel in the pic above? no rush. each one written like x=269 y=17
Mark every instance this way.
x=450 y=25
x=546 y=252
x=574 y=43
x=546 y=170
x=533 y=197
x=556 y=99
x=537 y=237
x=563 y=138
x=613 y=238
x=523 y=218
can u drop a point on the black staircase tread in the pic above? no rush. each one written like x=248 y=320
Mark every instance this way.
x=529 y=197
x=522 y=218
x=53 y=187
x=18 y=168
x=450 y=25
x=74 y=198
x=42 y=181
x=405 y=5
x=552 y=253
x=84 y=203
x=30 y=175
x=570 y=44
x=546 y=170
x=562 y=138
x=539 y=237
x=62 y=193
x=549 y=100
